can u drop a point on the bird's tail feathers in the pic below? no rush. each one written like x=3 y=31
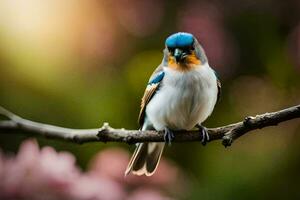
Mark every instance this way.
x=145 y=158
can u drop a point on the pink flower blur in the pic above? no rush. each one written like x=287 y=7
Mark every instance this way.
x=205 y=21
x=147 y=194
x=137 y=16
x=165 y=176
x=46 y=174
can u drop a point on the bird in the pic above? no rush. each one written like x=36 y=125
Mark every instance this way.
x=180 y=95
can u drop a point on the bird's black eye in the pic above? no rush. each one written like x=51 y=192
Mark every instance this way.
x=171 y=49
x=188 y=49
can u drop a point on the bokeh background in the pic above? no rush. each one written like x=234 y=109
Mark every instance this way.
x=81 y=63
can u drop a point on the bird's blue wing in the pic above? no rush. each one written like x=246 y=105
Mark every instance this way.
x=151 y=88
x=156 y=78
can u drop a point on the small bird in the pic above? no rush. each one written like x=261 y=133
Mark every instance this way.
x=180 y=95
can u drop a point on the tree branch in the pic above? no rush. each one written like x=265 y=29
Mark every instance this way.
x=227 y=133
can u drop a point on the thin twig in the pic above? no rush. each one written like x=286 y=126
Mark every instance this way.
x=227 y=133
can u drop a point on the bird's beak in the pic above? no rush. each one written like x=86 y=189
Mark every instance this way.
x=179 y=55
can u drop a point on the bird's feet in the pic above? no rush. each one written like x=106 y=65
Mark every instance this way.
x=204 y=134
x=169 y=136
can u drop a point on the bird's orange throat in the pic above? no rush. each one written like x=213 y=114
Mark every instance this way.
x=189 y=63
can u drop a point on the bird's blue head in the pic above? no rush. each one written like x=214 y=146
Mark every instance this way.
x=183 y=49
x=180 y=40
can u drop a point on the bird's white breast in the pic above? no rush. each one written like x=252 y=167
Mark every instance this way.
x=184 y=99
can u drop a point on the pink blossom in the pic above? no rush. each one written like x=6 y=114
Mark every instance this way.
x=35 y=174
x=110 y=163
x=205 y=21
x=147 y=194
x=1 y=169
x=46 y=174
x=137 y=16
x=89 y=187
x=165 y=177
